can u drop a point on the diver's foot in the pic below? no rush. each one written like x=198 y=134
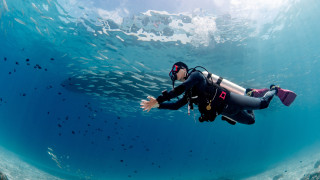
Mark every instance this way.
x=249 y=92
x=274 y=87
x=286 y=96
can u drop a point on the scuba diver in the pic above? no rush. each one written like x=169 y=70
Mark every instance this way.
x=215 y=96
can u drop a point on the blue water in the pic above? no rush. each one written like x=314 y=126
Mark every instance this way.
x=78 y=117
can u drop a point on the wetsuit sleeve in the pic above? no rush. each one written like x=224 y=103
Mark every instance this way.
x=192 y=80
x=172 y=94
x=174 y=106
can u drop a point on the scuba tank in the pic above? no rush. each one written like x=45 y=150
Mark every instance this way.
x=232 y=87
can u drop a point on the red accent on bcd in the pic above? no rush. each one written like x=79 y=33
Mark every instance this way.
x=223 y=95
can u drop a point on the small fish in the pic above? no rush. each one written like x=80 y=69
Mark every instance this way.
x=36 y=8
x=114 y=48
x=38 y=30
x=37 y=66
x=119 y=38
x=34 y=21
x=19 y=21
x=93 y=45
x=5 y=5
x=84 y=58
x=46 y=17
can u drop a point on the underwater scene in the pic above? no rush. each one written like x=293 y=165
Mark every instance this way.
x=74 y=72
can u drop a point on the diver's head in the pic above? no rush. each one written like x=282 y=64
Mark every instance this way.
x=179 y=72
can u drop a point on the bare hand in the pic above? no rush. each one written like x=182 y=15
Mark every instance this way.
x=148 y=105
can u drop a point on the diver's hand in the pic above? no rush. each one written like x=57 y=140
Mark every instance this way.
x=148 y=105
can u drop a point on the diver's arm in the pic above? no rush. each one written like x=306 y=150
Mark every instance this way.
x=193 y=79
x=171 y=94
x=174 y=106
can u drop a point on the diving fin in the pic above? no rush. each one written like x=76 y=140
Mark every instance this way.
x=229 y=120
x=286 y=96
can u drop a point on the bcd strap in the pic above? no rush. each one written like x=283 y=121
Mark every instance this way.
x=209 y=75
x=219 y=80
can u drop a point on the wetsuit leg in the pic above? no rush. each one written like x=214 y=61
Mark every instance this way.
x=240 y=107
x=250 y=103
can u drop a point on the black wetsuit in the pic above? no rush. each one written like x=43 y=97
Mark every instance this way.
x=200 y=91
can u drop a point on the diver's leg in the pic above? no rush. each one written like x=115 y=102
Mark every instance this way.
x=256 y=92
x=251 y=103
x=265 y=100
x=286 y=96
